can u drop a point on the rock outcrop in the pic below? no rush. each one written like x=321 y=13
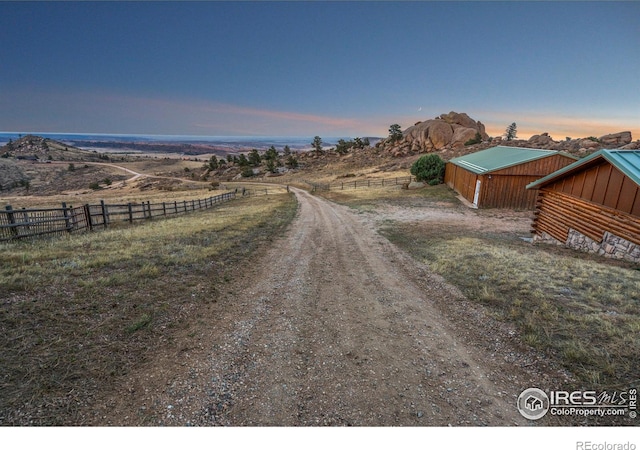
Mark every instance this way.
x=616 y=140
x=456 y=134
x=581 y=146
x=448 y=130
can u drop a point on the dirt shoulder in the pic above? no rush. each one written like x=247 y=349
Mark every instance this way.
x=333 y=325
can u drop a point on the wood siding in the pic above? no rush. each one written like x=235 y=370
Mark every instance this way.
x=505 y=188
x=558 y=211
x=604 y=185
x=460 y=180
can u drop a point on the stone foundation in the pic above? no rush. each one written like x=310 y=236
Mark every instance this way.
x=611 y=246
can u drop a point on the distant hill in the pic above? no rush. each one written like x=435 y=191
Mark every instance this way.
x=156 y=147
x=37 y=148
x=24 y=168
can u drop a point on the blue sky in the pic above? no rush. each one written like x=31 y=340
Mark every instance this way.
x=318 y=68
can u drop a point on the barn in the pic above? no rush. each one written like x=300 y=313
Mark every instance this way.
x=592 y=205
x=497 y=177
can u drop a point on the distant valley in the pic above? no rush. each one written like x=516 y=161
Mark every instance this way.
x=186 y=145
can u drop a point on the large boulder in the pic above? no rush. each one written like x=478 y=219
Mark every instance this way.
x=541 y=140
x=589 y=144
x=631 y=146
x=462 y=134
x=459 y=119
x=447 y=130
x=616 y=139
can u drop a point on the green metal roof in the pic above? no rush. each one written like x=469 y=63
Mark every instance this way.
x=627 y=161
x=500 y=157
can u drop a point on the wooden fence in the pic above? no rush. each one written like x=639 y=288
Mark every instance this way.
x=24 y=223
x=355 y=184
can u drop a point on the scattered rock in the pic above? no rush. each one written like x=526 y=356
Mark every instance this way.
x=541 y=140
x=616 y=139
x=589 y=144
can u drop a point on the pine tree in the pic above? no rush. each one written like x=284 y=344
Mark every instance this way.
x=395 y=133
x=317 y=145
x=511 y=132
x=254 y=158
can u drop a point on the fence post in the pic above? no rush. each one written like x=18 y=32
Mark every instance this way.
x=164 y=209
x=12 y=220
x=87 y=213
x=105 y=216
x=65 y=213
x=148 y=208
x=130 y=212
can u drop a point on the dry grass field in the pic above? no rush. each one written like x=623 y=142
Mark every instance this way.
x=581 y=311
x=80 y=311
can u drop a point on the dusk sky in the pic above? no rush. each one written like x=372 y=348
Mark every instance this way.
x=302 y=68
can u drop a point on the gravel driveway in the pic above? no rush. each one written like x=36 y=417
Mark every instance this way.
x=333 y=325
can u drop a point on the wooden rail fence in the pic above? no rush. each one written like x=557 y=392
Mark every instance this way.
x=355 y=184
x=25 y=223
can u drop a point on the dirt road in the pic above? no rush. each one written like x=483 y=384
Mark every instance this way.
x=333 y=326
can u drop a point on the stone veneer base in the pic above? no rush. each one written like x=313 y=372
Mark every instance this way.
x=611 y=246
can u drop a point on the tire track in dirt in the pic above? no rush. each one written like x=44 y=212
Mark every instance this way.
x=349 y=338
x=333 y=325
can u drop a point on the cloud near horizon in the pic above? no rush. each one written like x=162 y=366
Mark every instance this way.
x=100 y=112
x=268 y=120
x=558 y=126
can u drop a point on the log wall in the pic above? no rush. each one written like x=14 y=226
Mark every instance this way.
x=558 y=212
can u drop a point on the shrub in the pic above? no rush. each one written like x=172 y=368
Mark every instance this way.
x=247 y=172
x=429 y=168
